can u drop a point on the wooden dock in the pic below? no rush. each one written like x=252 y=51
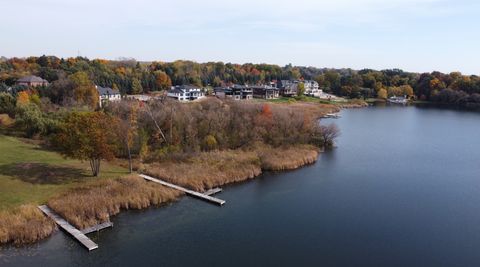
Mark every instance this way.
x=97 y=228
x=77 y=234
x=213 y=191
x=188 y=191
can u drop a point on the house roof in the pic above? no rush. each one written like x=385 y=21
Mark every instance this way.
x=264 y=87
x=31 y=78
x=175 y=90
x=186 y=87
x=106 y=91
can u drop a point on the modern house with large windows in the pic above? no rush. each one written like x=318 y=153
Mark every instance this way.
x=186 y=93
x=265 y=92
x=235 y=92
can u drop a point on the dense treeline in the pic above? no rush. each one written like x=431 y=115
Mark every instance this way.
x=215 y=124
x=162 y=128
x=132 y=77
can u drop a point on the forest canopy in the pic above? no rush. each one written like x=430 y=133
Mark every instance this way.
x=133 y=77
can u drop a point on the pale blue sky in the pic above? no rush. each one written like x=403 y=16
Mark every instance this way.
x=415 y=35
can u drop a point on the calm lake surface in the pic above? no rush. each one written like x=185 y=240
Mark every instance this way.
x=401 y=189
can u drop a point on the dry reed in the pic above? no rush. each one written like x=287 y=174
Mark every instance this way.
x=205 y=170
x=287 y=158
x=93 y=204
x=26 y=224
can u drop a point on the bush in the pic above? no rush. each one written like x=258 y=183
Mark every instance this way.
x=29 y=118
x=7 y=104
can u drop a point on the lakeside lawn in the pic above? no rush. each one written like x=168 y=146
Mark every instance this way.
x=30 y=174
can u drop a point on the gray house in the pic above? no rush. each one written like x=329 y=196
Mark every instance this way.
x=106 y=94
x=265 y=92
x=236 y=92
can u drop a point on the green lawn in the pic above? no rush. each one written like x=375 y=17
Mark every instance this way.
x=30 y=174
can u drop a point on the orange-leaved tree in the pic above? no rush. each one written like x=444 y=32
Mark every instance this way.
x=87 y=136
x=23 y=98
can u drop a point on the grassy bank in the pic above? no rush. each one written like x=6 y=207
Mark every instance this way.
x=205 y=170
x=316 y=107
x=30 y=175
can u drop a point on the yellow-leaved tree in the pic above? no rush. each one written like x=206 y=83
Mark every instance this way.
x=84 y=90
x=382 y=93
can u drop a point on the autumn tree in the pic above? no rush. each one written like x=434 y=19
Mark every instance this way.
x=23 y=98
x=407 y=90
x=87 y=136
x=437 y=84
x=382 y=94
x=162 y=80
x=84 y=90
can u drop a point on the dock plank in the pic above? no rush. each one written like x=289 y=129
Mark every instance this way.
x=77 y=234
x=188 y=191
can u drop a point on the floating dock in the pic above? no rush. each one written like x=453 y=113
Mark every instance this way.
x=77 y=234
x=187 y=191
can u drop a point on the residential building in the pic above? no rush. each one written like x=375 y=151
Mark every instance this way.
x=32 y=81
x=236 y=92
x=312 y=88
x=186 y=93
x=106 y=94
x=265 y=92
x=290 y=87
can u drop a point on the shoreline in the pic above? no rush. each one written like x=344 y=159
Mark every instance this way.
x=198 y=172
x=98 y=201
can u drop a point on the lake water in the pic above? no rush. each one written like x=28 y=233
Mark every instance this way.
x=401 y=189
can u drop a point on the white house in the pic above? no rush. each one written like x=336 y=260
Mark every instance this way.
x=186 y=93
x=312 y=88
x=290 y=87
x=106 y=94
